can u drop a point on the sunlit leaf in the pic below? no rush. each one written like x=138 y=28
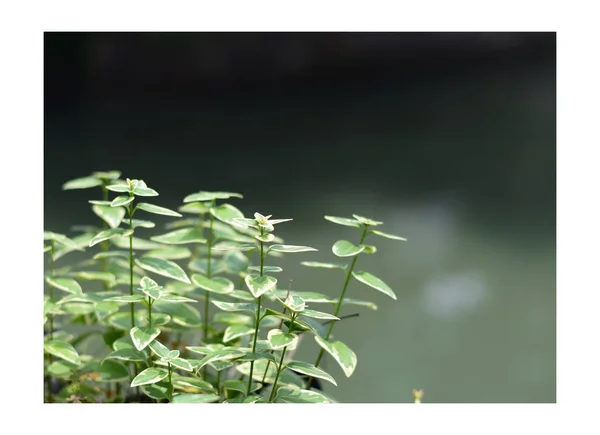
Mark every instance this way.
x=195 y=398
x=163 y=267
x=151 y=375
x=259 y=285
x=118 y=188
x=110 y=234
x=151 y=208
x=82 y=183
x=63 y=350
x=111 y=215
x=344 y=248
x=376 y=283
x=121 y=200
x=144 y=191
x=344 y=356
x=65 y=284
x=343 y=221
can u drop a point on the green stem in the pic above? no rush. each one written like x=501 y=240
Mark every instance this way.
x=131 y=262
x=339 y=304
x=219 y=382
x=51 y=319
x=279 y=327
x=149 y=312
x=209 y=241
x=262 y=261
x=104 y=246
x=279 y=369
x=171 y=384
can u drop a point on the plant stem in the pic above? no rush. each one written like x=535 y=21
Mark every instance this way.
x=219 y=382
x=339 y=304
x=149 y=312
x=262 y=262
x=131 y=261
x=51 y=318
x=171 y=384
x=280 y=325
x=209 y=241
x=279 y=369
x=104 y=246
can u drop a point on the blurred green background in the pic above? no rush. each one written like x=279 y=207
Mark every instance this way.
x=449 y=138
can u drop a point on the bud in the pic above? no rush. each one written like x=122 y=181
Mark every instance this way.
x=417 y=395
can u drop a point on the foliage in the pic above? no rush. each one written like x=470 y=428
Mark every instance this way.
x=145 y=303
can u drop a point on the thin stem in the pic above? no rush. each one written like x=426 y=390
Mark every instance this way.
x=339 y=304
x=279 y=369
x=219 y=382
x=51 y=318
x=279 y=327
x=262 y=261
x=209 y=242
x=131 y=261
x=149 y=312
x=171 y=384
x=104 y=246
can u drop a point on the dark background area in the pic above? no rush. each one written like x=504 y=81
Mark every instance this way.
x=450 y=136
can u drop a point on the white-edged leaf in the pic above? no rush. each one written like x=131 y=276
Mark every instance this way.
x=366 y=221
x=159 y=349
x=310 y=370
x=290 y=248
x=231 y=246
x=296 y=395
x=127 y=355
x=344 y=356
x=372 y=281
x=259 y=285
x=343 y=221
x=156 y=209
x=318 y=315
x=118 y=188
x=235 y=331
x=235 y=306
x=144 y=191
x=195 y=398
x=63 y=350
x=216 y=285
x=220 y=355
x=321 y=265
x=387 y=236
x=279 y=339
x=209 y=196
x=110 y=234
x=65 y=284
x=226 y=213
x=175 y=299
x=121 y=200
x=142 y=337
x=151 y=375
x=344 y=248
x=111 y=215
x=163 y=267
x=125 y=299
x=82 y=183
x=135 y=223
x=181 y=236
x=182 y=364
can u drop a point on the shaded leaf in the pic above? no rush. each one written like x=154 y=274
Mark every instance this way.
x=82 y=183
x=226 y=213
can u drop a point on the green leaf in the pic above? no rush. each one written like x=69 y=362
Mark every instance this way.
x=127 y=355
x=113 y=371
x=225 y=354
x=151 y=375
x=215 y=285
x=259 y=285
x=182 y=364
x=159 y=391
x=235 y=262
x=344 y=356
x=144 y=191
x=82 y=183
x=110 y=234
x=318 y=315
x=235 y=331
x=343 y=248
x=47 y=248
x=171 y=253
x=63 y=350
x=290 y=248
x=387 y=236
x=150 y=288
x=197 y=208
x=369 y=249
x=151 y=208
x=107 y=175
x=245 y=223
x=235 y=306
x=125 y=299
x=195 y=398
x=142 y=337
x=297 y=395
x=163 y=267
x=321 y=265
x=65 y=284
x=361 y=303
x=269 y=237
x=60 y=369
x=343 y=221
x=373 y=281
x=226 y=213
x=62 y=239
x=209 y=196
x=121 y=200
x=266 y=269
x=191 y=385
x=118 y=188
x=93 y=275
x=181 y=236
x=229 y=246
x=241 y=386
x=366 y=221
x=257 y=356
x=279 y=339
x=111 y=215
x=110 y=254
x=310 y=370
x=175 y=299
x=295 y=303
x=138 y=244
x=159 y=349
x=135 y=223
x=181 y=314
